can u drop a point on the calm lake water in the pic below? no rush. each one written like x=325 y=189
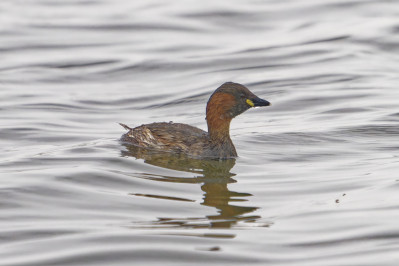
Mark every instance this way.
x=317 y=177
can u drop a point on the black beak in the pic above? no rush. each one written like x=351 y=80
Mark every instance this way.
x=260 y=102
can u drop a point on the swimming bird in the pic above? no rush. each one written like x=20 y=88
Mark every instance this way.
x=228 y=101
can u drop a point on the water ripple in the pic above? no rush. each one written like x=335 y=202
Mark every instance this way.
x=315 y=182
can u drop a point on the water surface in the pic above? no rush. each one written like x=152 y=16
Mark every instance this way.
x=316 y=181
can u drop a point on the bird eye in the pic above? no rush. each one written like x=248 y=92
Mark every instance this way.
x=242 y=95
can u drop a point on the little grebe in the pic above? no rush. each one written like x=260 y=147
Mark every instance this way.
x=228 y=101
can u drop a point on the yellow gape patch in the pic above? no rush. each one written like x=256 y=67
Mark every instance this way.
x=250 y=103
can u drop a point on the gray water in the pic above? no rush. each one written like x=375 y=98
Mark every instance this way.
x=317 y=177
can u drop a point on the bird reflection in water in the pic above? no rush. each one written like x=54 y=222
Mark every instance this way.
x=214 y=175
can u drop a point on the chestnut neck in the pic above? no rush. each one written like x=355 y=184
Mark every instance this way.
x=219 y=131
x=218 y=117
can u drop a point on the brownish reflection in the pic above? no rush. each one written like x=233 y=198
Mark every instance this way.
x=214 y=175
